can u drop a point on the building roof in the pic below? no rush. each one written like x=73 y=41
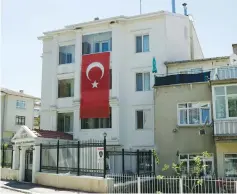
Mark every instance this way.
x=15 y=93
x=52 y=134
x=106 y=20
x=197 y=60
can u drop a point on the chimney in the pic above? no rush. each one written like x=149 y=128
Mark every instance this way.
x=234 y=46
x=185 y=9
x=21 y=91
x=96 y=18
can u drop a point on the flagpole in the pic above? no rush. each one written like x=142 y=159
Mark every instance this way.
x=140 y=6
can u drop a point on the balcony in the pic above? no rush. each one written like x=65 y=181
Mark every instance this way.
x=225 y=127
x=224 y=73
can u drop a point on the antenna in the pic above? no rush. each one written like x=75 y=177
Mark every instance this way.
x=140 y=6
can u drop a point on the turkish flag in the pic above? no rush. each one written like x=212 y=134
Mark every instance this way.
x=95 y=81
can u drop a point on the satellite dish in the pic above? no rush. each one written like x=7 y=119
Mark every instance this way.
x=233 y=59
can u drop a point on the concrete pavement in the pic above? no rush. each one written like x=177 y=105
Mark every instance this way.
x=22 y=187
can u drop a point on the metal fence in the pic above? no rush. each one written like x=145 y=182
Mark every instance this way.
x=93 y=158
x=155 y=184
x=79 y=158
x=7 y=155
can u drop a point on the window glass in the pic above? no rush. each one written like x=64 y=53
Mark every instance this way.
x=194 y=116
x=205 y=113
x=66 y=54
x=139 y=44
x=139 y=85
x=65 y=88
x=97 y=47
x=219 y=91
x=231 y=90
x=146 y=81
x=232 y=106
x=230 y=165
x=220 y=107
x=139 y=119
x=182 y=105
x=65 y=122
x=183 y=117
x=145 y=43
x=105 y=46
x=147 y=119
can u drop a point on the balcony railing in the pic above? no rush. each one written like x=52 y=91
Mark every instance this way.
x=225 y=128
x=223 y=73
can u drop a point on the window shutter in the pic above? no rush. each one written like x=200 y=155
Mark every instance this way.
x=147 y=119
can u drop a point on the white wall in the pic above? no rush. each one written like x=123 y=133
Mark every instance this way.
x=125 y=62
x=11 y=111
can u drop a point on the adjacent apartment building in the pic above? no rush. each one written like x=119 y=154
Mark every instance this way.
x=133 y=42
x=17 y=109
x=196 y=111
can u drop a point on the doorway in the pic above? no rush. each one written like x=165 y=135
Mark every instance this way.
x=28 y=165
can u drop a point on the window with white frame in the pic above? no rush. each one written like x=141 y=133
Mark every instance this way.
x=194 y=113
x=102 y=46
x=67 y=54
x=143 y=119
x=142 y=43
x=230 y=163
x=20 y=104
x=65 y=122
x=188 y=164
x=225 y=98
x=143 y=81
x=20 y=120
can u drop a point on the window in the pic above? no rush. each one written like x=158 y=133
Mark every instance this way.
x=20 y=104
x=194 y=113
x=65 y=122
x=97 y=123
x=143 y=119
x=230 y=163
x=142 y=81
x=20 y=120
x=188 y=164
x=101 y=47
x=225 y=101
x=142 y=43
x=65 y=88
x=66 y=54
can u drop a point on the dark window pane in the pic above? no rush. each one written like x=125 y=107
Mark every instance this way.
x=105 y=46
x=139 y=119
x=139 y=44
x=139 y=86
x=97 y=47
x=145 y=43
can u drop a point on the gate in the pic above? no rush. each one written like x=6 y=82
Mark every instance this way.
x=28 y=165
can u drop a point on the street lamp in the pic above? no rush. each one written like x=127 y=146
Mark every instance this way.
x=104 y=135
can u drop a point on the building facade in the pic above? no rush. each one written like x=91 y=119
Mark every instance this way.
x=17 y=109
x=195 y=114
x=132 y=43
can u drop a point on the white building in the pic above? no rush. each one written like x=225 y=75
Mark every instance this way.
x=17 y=109
x=133 y=42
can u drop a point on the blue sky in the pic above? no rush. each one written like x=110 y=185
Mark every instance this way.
x=24 y=20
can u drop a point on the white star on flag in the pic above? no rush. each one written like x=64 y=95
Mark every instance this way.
x=95 y=84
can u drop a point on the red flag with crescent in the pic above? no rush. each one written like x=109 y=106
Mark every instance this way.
x=95 y=86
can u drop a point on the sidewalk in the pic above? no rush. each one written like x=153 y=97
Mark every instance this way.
x=32 y=188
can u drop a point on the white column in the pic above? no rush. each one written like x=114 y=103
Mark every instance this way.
x=76 y=124
x=77 y=76
x=15 y=160
x=36 y=162
x=54 y=66
x=22 y=164
x=115 y=119
x=53 y=115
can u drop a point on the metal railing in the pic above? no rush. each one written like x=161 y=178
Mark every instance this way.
x=7 y=155
x=223 y=73
x=159 y=184
x=225 y=127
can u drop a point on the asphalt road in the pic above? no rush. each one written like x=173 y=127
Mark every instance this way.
x=3 y=191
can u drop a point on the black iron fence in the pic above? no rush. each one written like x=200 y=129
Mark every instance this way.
x=93 y=158
x=7 y=155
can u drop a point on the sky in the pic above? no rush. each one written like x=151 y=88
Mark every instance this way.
x=22 y=21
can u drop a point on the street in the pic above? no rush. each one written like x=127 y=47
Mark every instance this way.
x=3 y=191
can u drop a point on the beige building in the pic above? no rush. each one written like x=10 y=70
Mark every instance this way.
x=17 y=109
x=196 y=111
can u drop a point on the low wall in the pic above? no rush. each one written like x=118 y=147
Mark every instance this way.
x=81 y=183
x=9 y=174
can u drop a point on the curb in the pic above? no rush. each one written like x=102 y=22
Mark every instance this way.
x=18 y=190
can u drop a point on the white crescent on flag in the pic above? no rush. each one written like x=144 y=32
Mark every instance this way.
x=92 y=65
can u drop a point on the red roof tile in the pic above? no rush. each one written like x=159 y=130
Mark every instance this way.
x=52 y=134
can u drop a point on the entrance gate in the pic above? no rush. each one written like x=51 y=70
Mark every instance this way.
x=28 y=165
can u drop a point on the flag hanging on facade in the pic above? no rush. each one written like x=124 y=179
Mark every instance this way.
x=154 y=69
x=95 y=86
